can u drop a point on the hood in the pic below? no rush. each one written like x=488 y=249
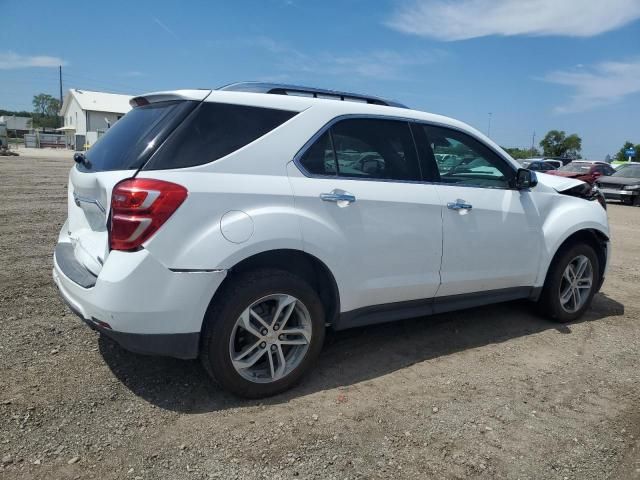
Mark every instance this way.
x=558 y=183
x=619 y=180
x=567 y=174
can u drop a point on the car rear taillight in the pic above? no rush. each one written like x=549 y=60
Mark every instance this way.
x=139 y=207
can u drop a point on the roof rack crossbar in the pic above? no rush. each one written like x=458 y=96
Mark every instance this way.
x=282 y=89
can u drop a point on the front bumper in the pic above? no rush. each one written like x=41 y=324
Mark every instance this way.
x=138 y=302
x=615 y=194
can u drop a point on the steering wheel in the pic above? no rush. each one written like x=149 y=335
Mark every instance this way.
x=368 y=159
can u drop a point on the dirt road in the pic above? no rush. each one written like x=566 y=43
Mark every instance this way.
x=495 y=392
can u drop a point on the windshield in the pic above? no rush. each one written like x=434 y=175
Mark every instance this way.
x=132 y=139
x=575 y=167
x=628 y=171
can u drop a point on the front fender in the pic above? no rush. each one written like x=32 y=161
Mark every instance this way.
x=567 y=216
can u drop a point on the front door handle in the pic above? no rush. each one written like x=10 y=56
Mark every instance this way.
x=338 y=196
x=459 y=205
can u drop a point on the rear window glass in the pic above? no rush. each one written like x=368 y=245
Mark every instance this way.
x=213 y=131
x=131 y=140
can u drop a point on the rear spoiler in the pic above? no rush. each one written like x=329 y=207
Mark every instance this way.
x=155 y=97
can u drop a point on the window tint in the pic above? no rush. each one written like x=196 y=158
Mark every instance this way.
x=319 y=159
x=213 y=131
x=464 y=160
x=130 y=141
x=370 y=148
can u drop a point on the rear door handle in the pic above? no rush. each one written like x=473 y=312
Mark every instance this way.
x=459 y=205
x=338 y=196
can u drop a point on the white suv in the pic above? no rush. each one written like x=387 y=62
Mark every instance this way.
x=236 y=225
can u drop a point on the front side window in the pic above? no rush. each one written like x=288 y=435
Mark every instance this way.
x=463 y=160
x=364 y=148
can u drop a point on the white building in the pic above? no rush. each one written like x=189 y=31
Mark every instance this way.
x=19 y=125
x=89 y=114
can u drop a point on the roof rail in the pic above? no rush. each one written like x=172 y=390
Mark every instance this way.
x=282 y=89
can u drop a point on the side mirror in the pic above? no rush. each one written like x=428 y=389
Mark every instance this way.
x=525 y=179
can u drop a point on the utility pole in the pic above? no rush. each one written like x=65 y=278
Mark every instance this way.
x=60 y=78
x=489 y=126
x=533 y=141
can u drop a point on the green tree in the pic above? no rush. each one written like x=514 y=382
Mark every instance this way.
x=622 y=157
x=556 y=143
x=522 y=152
x=46 y=105
x=46 y=108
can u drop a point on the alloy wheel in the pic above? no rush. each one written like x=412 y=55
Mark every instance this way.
x=270 y=338
x=576 y=284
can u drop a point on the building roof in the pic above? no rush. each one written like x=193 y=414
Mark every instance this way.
x=97 y=101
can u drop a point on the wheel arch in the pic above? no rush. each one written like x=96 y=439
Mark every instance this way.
x=594 y=237
x=297 y=262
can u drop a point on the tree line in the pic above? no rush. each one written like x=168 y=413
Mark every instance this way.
x=45 y=111
x=556 y=143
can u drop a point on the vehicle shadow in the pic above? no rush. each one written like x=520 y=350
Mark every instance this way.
x=348 y=357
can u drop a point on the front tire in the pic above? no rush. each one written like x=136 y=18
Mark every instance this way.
x=263 y=333
x=571 y=282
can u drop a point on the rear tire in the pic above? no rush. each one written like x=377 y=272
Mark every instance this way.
x=241 y=327
x=565 y=296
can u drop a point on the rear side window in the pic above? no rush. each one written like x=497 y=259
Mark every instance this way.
x=130 y=141
x=213 y=131
x=366 y=149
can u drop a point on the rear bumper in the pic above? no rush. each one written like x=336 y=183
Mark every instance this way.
x=139 y=303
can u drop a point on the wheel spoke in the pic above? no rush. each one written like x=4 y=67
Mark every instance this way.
x=578 y=296
x=271 y=366
x=566 y=295
x=286 y=305
x=244 y=360
x=572 y=271
x=282 y=363
x=583 y=262
x=300 y=341
x=301 y=333
x=245 y=320
x=258 y=318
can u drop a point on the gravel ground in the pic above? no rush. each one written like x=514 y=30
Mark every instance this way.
x=493 y=392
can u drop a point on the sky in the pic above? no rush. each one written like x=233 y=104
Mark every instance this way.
x=510 y=68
